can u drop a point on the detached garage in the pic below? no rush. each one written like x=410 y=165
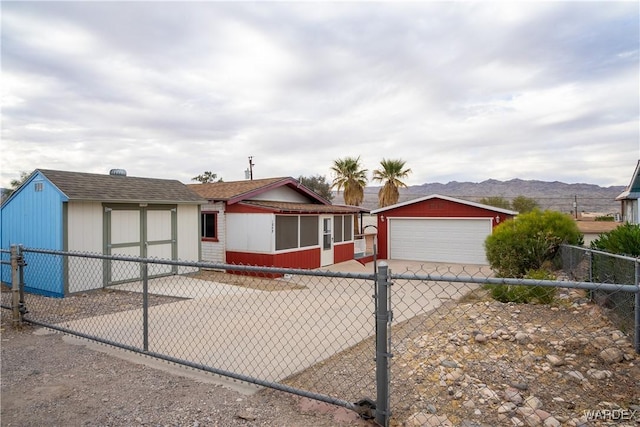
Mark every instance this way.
x=437 y=229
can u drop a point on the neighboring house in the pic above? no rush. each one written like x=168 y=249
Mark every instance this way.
x=629 y=199
x=437 y=229
x=273 y=222
x=591 y=230
x=105 y=214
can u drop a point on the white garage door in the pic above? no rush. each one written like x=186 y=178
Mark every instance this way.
x=439 y=240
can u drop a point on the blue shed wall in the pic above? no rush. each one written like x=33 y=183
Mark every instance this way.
x=33 y=217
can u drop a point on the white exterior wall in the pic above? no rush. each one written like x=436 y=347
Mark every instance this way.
x=84 y=234
x=250 y=232
x=188 y=232
x=282 y=194
x=215 y=251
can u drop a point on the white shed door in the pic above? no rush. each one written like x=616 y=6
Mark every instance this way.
x=439 y=240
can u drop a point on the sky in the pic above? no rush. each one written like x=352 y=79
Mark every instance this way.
x=461 y=91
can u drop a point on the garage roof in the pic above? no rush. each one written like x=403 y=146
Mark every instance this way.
x=451 y=199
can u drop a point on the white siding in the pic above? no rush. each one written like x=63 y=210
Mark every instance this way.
x=215 y=251
x=250 y=232
x=84 y=234
x=84 y=223
x=188 y=234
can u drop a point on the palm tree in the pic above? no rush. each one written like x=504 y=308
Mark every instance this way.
x=350 y=177
x=392 y=172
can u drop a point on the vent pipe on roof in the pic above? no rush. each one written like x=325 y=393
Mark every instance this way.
x=118 y=172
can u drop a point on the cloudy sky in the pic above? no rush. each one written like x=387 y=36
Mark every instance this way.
x=463 y=91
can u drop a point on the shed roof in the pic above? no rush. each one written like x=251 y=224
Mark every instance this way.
x=633 y=189
x=118 y=188
x=451 y=199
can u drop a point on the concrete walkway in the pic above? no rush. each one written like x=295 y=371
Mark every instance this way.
x=268 y=335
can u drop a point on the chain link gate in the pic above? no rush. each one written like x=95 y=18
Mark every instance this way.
x=178 y=318
x=414 y=305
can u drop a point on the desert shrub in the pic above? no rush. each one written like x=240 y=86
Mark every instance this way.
x=622 y=240
x=529 y=241
x=524 y=294
x=605 y=218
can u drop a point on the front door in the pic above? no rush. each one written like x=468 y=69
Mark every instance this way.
x=326 y=239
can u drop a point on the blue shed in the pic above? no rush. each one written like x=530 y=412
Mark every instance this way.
x=93 y=213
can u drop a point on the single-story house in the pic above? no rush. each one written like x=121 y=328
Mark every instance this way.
x=273 y=222
x=591 y=230
x=105 y=214
x=437 y=228
x=629 y=199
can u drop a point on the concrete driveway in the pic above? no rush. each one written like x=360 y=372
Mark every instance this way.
x=269 y=334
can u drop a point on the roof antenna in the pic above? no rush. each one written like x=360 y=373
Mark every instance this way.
x=248 y=174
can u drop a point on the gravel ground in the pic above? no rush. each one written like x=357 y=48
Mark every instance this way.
x=470 y=363
x=49 y=381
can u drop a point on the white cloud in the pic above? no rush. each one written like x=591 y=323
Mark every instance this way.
x=462 y=91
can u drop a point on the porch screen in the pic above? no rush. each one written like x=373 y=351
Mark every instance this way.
x=286 y=232
x=308 y=231
x=337 y=228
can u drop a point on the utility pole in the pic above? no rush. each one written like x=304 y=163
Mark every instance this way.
x=575 y=205
x=251 y=165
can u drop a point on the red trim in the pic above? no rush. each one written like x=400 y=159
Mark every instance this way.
x=242 y=208
x=209 y=239
x=303 y=259
x=342 y=252
x=432 y=208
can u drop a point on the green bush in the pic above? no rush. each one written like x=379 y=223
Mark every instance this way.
x=529 y=241
x=524 y=294
x=605 y=218
x=622 y=240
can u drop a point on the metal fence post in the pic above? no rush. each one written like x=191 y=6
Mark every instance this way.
x=383 y=354
x=15 y=286
x=145 y=306
x=636 y=338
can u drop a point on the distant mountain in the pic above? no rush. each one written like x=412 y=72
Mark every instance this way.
x=554 y=195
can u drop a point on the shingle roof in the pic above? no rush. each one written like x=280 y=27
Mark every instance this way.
x=114 y=188
x=234 y=189
x=289 y=207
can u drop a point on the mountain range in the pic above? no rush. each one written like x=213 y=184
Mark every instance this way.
x=554 y=195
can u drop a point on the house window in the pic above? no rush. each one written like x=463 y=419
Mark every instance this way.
x=209 y=226
x=38 y=186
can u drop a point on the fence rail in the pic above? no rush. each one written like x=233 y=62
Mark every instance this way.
x=382 y=340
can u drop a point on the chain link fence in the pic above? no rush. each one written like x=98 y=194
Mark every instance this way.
x=602 y=267
x=403 y=343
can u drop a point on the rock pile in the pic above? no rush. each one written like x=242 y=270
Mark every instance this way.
x=487 y=363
